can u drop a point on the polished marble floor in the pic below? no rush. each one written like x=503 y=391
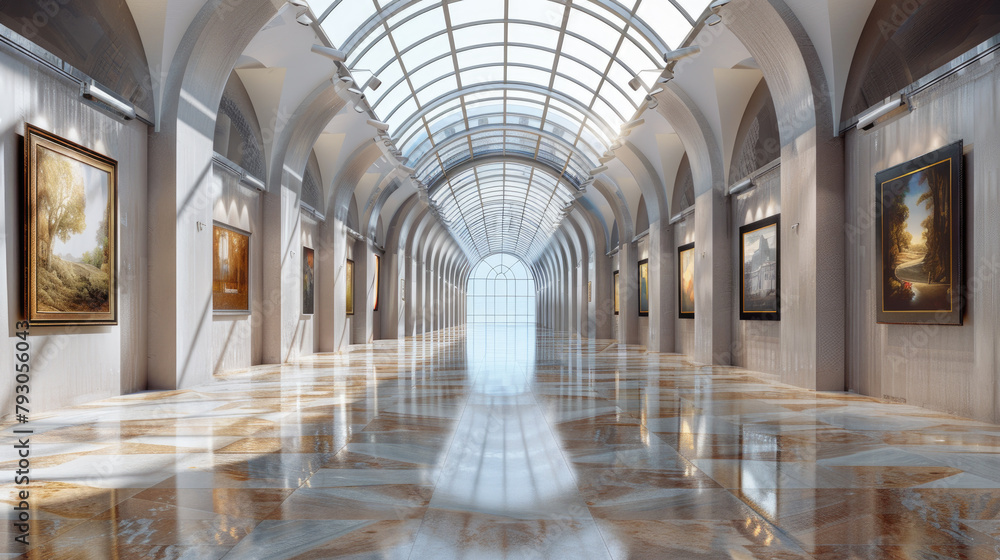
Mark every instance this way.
x=506 y=443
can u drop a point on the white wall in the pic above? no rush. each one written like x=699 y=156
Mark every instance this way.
x=72 y=365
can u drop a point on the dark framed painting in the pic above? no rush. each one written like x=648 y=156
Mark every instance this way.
x=349 y=276
x=308 y=281
x=230 y=270
x=760 y=270
x=919 y=247
x=71 y=230
x=685 y=281
x=378 y=270
x=644 y=288
x=617 y=298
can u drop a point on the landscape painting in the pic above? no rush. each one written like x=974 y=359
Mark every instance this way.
x=71 y=224
x=644 y=288
x=308 y=281
x=349 y=275
x=760 y=265
x=685 y=281
x=230 y=270
x=919 y=245
x=375 y=285
x=617 y=300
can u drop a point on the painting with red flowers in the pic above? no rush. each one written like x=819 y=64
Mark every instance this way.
x=919 y=244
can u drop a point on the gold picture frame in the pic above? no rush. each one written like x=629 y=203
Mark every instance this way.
x=71 y=232
x=308 y=281
x=349 y=276
x=230 y=270
x=617 y=297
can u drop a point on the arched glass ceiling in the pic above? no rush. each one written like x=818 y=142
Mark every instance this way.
x=541 y=79
x=502 y=207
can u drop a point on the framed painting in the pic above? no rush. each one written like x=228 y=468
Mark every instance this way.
x=760 y=270
x=919 y=224
x=230 y=270
x=378 y=269
x=590 y=291
x=308 y=281
x=644 y=288
x=685 y=281
x=617 y=300
x=71 y=230
x=349 y=276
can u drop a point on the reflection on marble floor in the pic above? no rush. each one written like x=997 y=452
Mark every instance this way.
x=506 y=444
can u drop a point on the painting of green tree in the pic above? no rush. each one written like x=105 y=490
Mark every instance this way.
x=917 y=265
x=73 y=249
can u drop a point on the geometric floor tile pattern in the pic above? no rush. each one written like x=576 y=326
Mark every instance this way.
x=501 y=442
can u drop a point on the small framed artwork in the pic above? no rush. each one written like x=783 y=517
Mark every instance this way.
x=230 y=270
x=71 y=229
x=685 y=281
x=308 y=281
x=919 y=224
x=760 y=270
x=378 y=269
x=644 y=288
x=402 y=289
x=349 y=277
x=617 y=300
x=590 y=291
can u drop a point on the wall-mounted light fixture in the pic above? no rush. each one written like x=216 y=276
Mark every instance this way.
x=713 y=20
x=93 y=91
x=681 y=53
x=336 y=55
x=741 y=186
x=683 y=214
x=379 y=125
x=598 y=170
x=869 y=119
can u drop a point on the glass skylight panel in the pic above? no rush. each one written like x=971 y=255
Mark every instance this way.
x=347 y=17
x=525 y=75
x=586 y=25
x=634 y=59
x=536 y=35
x=436 y=89
x=477 y=35
x=428 y=49
x=390 y=98
x=479 y=56
x=417 y=28
x=431 y=72
x=572 y=89
x=483 y=75
x=529 y=56
x=475 y=10
x=585 y=74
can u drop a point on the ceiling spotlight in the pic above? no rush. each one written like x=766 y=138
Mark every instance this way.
x=635 y=83
x=666 y=77
x=675 y=55
x=605 y=159
x=615 y=146
x=299 y=3
x=304 y=19
x=717 y=5
x=379 y=125
x=713 y=20
x=359 y=109
x=654 y=93
x=373 y=83
x=598 y=170
x=336 y=55
x=652 y=104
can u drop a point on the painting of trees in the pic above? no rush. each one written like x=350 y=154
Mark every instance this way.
x=937 y=234
x=920 y=239
x=61 y=201
x=71 y=217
